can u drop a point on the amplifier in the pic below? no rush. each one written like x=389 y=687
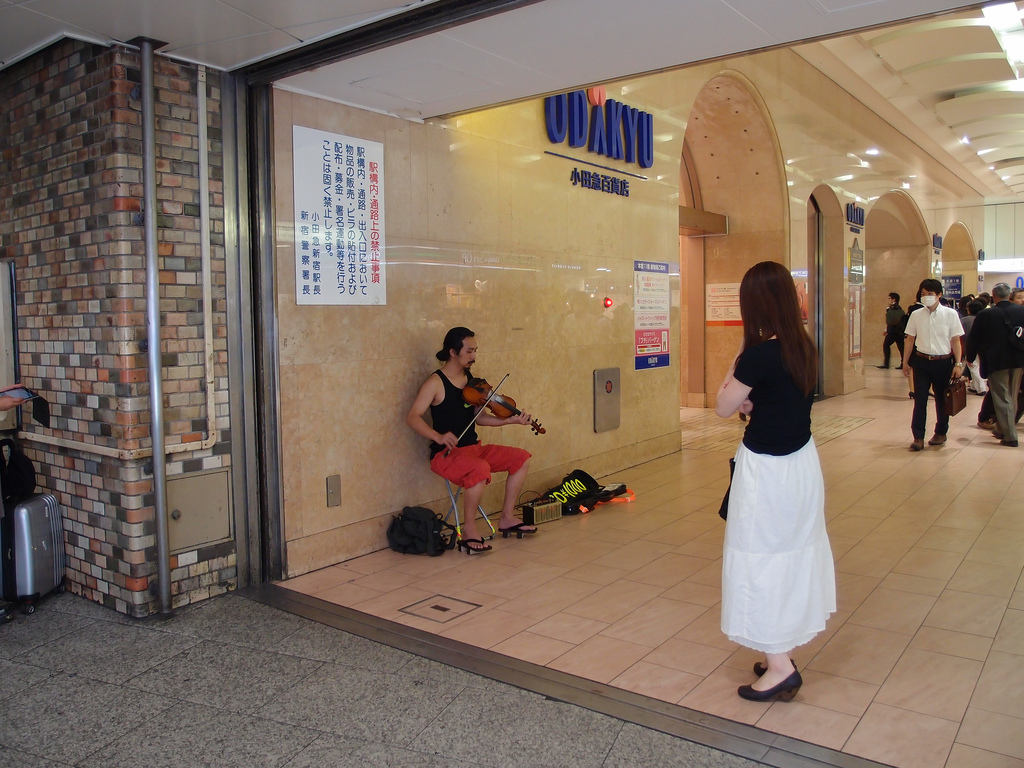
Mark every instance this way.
x=536 y=512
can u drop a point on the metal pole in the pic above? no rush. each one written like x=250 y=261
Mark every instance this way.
x=156 y=396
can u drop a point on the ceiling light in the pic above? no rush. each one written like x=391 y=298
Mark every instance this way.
x=1004 y=178
x=1004 y=17
x=991 y=167
x=965 y=140
x=1013 y=44
x=912 y=176
x=847 y=177
x=985 y=151
x=906 y=185
x=871 y=151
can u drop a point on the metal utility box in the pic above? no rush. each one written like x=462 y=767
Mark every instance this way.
x=606 y=399
x=199 y=508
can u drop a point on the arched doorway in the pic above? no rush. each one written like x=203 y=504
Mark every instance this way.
x=732 y=165
x=897 y=257
x=959 y=261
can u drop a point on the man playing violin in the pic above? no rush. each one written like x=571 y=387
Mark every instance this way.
x=467 y=462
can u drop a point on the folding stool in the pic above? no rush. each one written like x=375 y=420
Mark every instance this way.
x=455 y=511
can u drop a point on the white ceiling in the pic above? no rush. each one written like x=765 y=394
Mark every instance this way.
x=559 y=44
x=936 y=80
x=523 y=52
x=225 y=34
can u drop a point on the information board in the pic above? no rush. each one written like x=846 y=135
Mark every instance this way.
x=651 y=304
x=339 y=219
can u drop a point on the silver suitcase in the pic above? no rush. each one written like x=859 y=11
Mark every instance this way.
x=37 y=548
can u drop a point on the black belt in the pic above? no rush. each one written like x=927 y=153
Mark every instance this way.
x=935 y=357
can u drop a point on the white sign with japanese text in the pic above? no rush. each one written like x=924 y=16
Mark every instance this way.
x=722 y=304
x=339 y=219
x=651 y=302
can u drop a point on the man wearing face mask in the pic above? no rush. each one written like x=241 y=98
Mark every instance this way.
x=933 y=355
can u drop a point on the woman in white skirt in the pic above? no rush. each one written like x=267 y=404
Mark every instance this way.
x=778 y=577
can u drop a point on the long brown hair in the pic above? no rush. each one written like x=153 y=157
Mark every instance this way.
x=770 y=307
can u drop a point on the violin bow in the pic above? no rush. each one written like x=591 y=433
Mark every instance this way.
x=494 y=391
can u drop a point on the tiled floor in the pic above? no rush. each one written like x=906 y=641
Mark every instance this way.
x=234 y=683
x=922 y=666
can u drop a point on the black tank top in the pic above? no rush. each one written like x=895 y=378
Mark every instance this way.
x=452 y=415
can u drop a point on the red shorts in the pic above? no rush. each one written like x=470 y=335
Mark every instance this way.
x=468 y=465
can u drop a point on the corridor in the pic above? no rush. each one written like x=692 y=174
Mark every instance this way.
x=919 y=668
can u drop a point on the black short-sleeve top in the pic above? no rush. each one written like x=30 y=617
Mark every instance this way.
x=780 y=422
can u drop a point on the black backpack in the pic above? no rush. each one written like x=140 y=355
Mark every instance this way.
x=17 y=472
x=578 y=492
x=418 y=530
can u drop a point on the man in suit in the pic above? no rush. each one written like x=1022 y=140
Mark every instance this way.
x=1001 y=362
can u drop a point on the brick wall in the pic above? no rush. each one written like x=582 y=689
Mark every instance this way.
x=70 y=219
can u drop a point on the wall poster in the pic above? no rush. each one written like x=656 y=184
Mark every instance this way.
x=953 y=287
x=722 y=304
x=854 y=313
x=651 y=304
x=339 y=219
x=855 y=263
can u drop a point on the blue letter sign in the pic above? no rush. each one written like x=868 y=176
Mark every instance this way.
x=556 y=117
x=614 y=129
x=577 y=118
x=854 y=214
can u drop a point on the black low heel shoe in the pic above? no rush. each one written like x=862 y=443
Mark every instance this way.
x=784 y=691
x=760 y=669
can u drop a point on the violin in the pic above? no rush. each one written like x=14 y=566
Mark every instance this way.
x=476 y=393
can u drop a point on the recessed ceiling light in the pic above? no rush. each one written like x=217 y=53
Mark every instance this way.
x=1004 y=17
x=1004 y=178
x=871 y=151
x=847 y=177
x=991 y=167
x=965 y=140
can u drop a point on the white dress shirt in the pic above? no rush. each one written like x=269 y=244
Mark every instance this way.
x=934 y=330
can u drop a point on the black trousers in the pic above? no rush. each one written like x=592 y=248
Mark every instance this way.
x=892 y=337
x=930 y=377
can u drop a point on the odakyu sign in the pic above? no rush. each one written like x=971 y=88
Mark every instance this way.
x=605 y=126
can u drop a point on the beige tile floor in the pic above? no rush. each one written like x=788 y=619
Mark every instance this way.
x=922 y=666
